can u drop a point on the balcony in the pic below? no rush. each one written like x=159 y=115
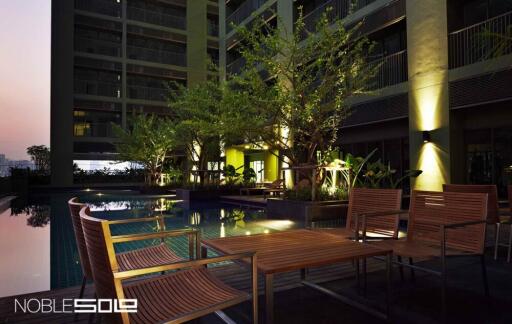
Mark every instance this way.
x=86 y=129
x=473 y=44
x=241 y=13
x=146 y=93
x=157 y=18
x=213 y=29
x=95 y=88
x=97 y=46
x=158 y=56
x=108 y=8
x=236 y=66
x=340 y=10
x=391 y=70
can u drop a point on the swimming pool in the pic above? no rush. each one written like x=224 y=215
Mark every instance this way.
x=37 y=243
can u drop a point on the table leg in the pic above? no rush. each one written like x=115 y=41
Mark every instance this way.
x=389 y=262
x=364 y=277
x=269 y=298
x=303 y=274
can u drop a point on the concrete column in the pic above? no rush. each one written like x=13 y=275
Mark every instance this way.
x=427 y=43
x=196 y=41
x=61 y=127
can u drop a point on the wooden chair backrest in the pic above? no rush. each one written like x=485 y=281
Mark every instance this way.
x=491 y=190
x=509 y=189
x=74 y=210
x=276 y=184
x=430 y=209
x=101 y=255
x=364 y=200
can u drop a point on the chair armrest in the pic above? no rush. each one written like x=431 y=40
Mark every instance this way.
x=183 y=265
x=148 y=236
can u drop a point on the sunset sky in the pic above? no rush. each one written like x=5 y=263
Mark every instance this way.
x=24 y=75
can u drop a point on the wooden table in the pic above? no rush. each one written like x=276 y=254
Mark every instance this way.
x=298 y=250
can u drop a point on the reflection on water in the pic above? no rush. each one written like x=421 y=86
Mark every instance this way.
x=38 y=245
x=24 y=250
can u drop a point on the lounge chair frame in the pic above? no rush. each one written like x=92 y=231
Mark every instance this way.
x=117 y=276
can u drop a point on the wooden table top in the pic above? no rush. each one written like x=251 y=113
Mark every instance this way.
x=295 y=249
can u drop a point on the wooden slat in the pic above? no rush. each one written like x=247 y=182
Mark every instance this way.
x=295 y=249
x=490 y=190
x=74 y=210
x=364 y=200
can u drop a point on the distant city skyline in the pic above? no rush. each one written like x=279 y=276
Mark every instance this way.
x=25 y=28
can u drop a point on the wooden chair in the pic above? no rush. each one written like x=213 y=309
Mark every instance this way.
x=493 y=216
x=443 y=224
x=141 y=258
x=366 y=202
x=276 y=186
x=188 y=293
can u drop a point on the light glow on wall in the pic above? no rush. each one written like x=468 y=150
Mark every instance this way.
x=434 y=174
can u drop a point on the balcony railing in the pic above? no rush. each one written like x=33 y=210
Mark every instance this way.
x=103 y=7
x=213 y=28
x=340 y=9
x=236 y=66
x=146 y=93
x=86 y=129
x=95 y=88
x=481 y=41
x=241 y=13
x=97 y=46
x=391 y=70
x=156 y=18
x=158 y=56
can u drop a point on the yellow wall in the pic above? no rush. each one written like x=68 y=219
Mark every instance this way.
x=271 y=171
x=427 y=42
x=235 y=157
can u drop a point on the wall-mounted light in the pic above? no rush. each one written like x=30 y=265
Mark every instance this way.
x=426 y=136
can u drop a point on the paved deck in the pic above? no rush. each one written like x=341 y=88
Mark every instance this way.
x=414 y=302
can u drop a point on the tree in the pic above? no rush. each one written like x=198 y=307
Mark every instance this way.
x=292 y=93
x=40 y=154
x=148 y=141
x=196 y=112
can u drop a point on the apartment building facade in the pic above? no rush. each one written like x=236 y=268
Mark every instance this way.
x=111 y=60
x=441 y=102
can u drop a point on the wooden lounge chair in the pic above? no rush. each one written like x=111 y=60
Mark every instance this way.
x=174 y=297
x=364 y=201
x=141 y=258
x=276 y=187
x=443 y=224
x=493 y=216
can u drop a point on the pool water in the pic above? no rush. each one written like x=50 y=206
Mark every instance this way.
x=37 y=244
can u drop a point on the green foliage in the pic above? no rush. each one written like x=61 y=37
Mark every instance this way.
x=230 y=174
x=323 y=194
x=40 y=154
x=196 y=112
x=303 y=90
x=249 y=176
x=110 y=176
x=147 y=141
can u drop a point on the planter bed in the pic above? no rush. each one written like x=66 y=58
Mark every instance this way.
x=204 y=194
x=306 y=211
